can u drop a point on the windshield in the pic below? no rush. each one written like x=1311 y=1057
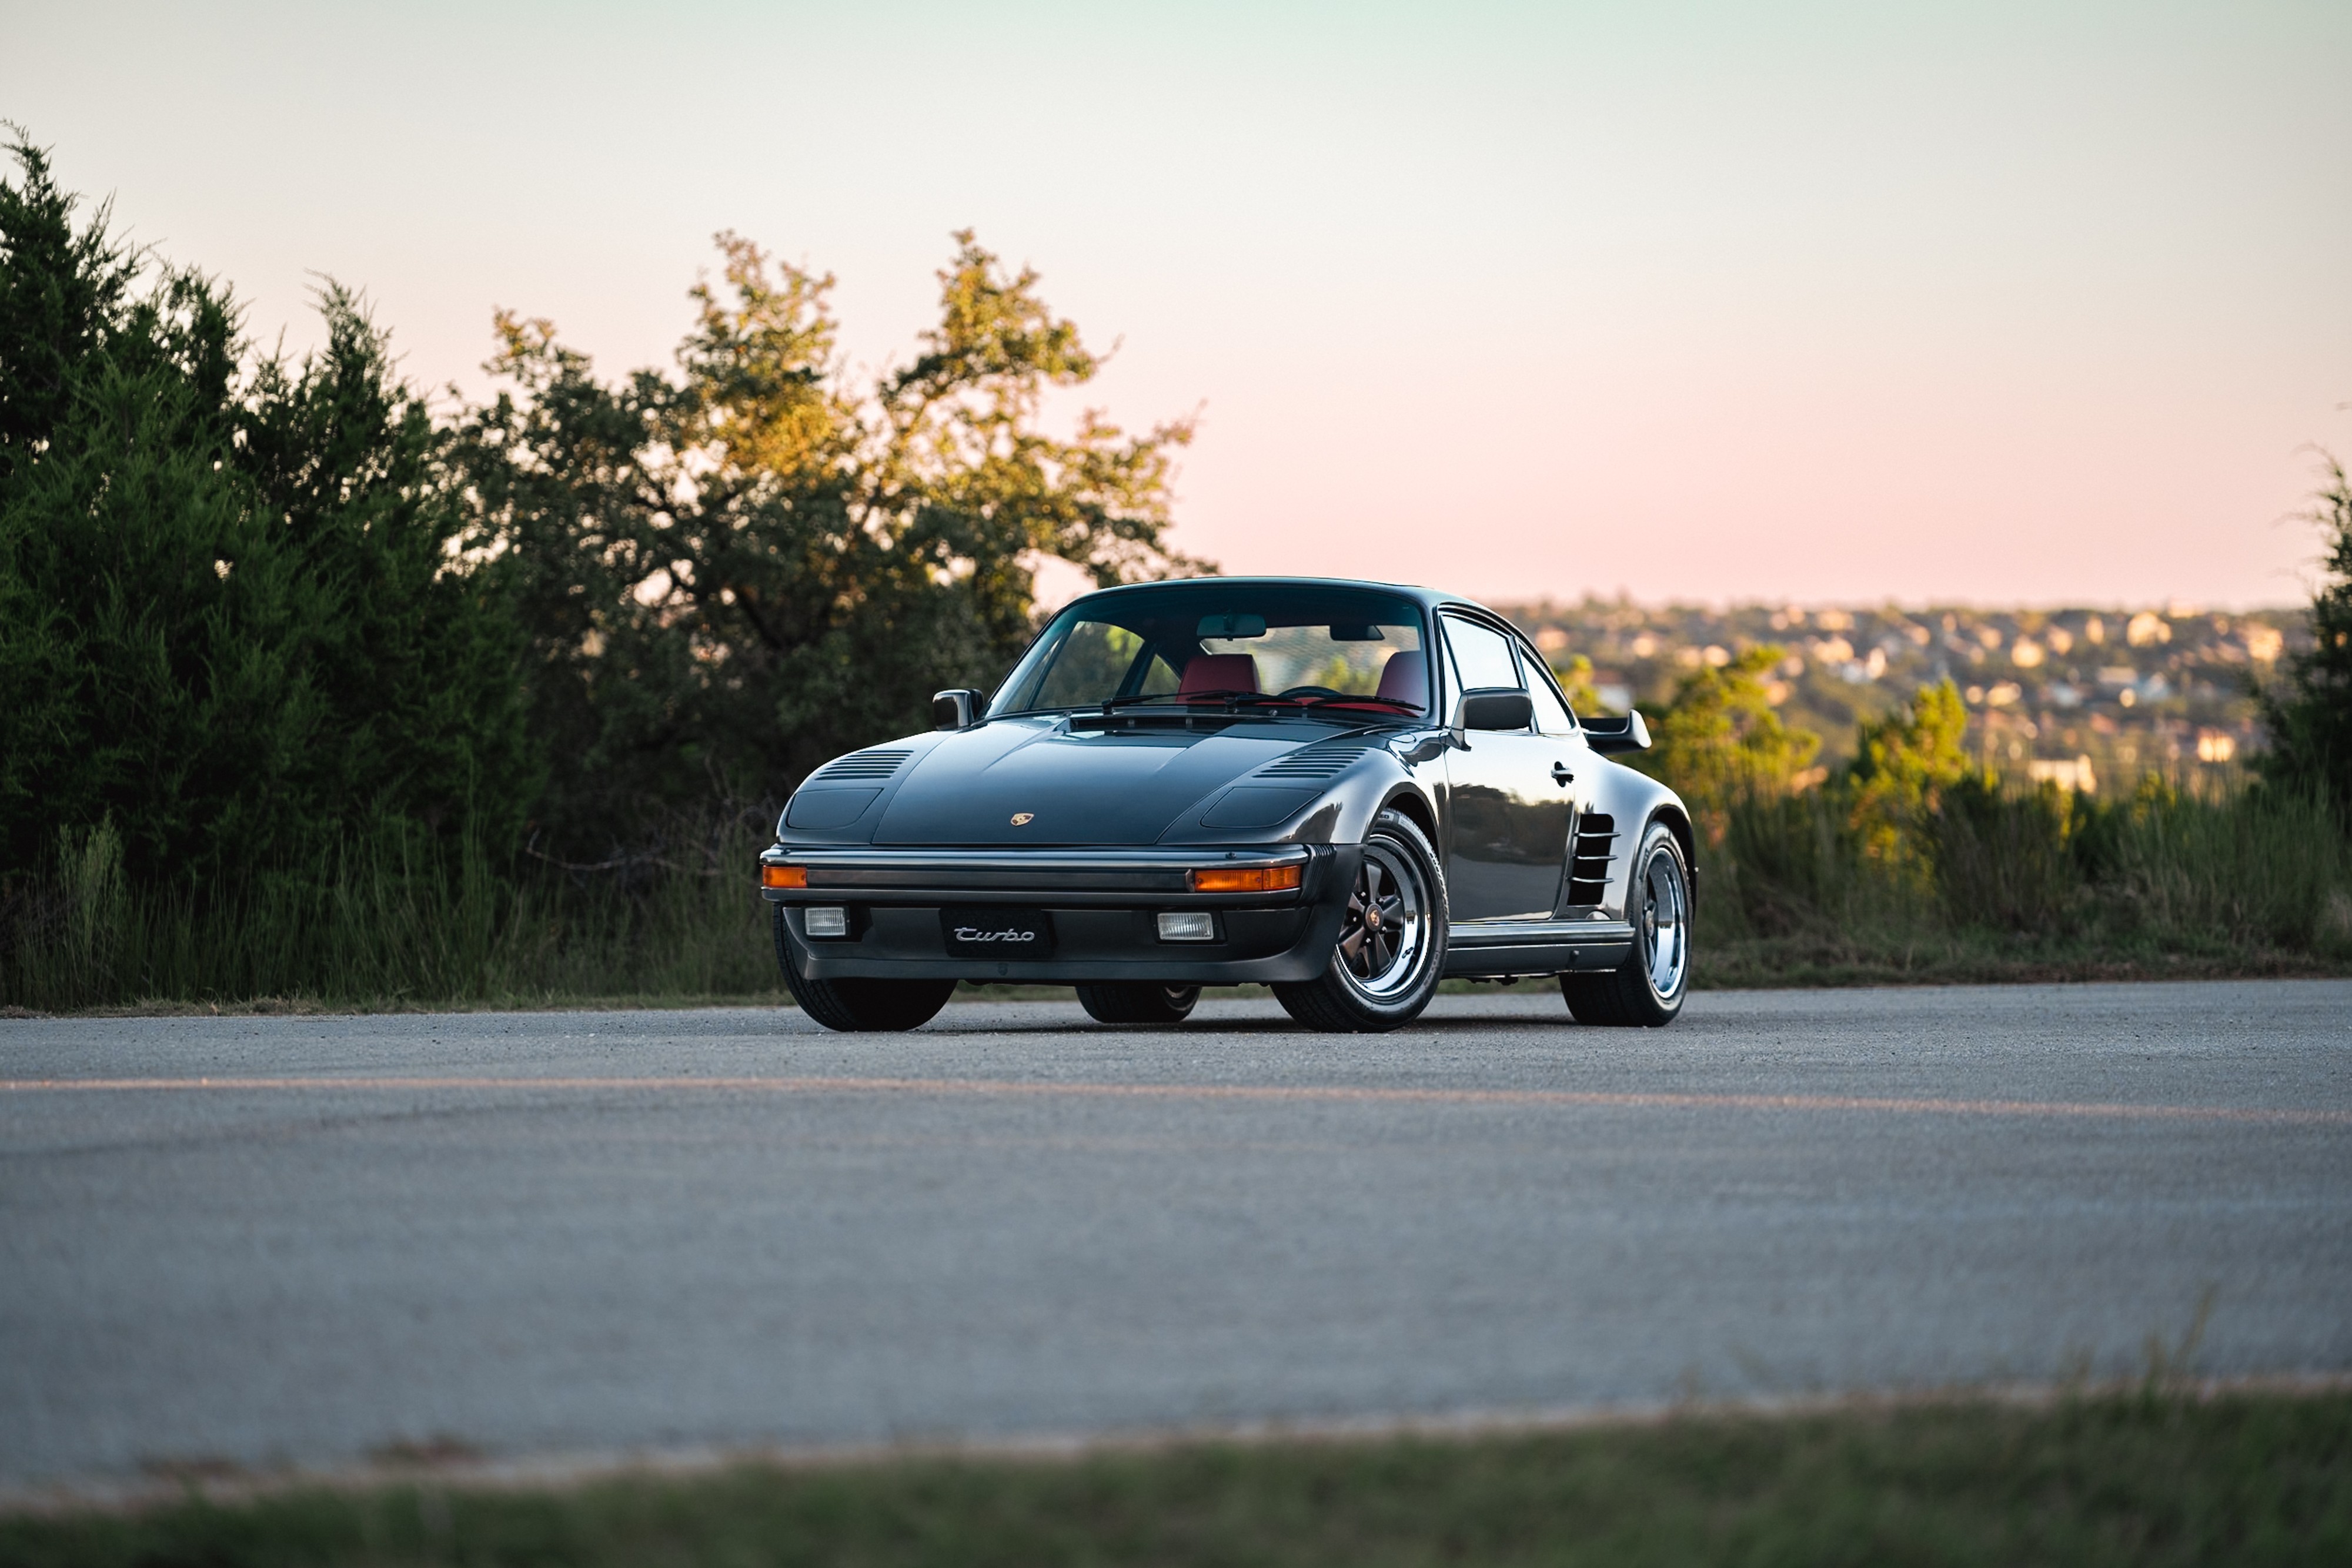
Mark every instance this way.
x=1262 y=646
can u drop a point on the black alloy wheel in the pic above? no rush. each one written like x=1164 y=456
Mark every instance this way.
x=1646 y=990
x=1391 y=945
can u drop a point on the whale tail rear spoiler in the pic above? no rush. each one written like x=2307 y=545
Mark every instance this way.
x=1617 y=735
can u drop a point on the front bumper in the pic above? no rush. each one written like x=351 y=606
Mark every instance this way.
x=1103 y=905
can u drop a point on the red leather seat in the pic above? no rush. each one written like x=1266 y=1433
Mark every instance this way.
x=1405 y=679
x=1219 y=673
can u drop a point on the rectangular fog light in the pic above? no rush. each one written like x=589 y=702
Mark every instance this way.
x=828 y=920
x=1187 y=926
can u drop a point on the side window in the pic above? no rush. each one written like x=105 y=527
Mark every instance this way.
x=1552 y=716
x=1482 y=657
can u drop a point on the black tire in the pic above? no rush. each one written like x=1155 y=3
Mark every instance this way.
x=1345 y=999
x=1646 y=990
x=857 y=1007
x=1137 y=1001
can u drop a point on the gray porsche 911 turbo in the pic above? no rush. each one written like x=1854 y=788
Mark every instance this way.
x=1345 y=791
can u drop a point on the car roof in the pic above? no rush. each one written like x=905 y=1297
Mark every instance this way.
x=1427 y=598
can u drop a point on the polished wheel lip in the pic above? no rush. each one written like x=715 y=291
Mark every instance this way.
x=1384 y=933
x=1665 y=923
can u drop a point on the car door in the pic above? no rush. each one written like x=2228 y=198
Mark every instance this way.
x=1574 y=770
x=1507 y=837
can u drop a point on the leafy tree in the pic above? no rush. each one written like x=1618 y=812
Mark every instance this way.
x=1719 y=739
x=1575 y=680
x=732 y=572
x=2310 y=716
x=1903 y=765
x=229 y=619
x=62 y=293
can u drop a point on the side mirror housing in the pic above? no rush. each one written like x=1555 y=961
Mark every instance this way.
x=1493 y=707
x=957 y=709
x=1617 y=735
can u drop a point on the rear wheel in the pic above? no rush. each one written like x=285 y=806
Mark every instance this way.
x=856 y=1006
x=1646 y=990
x=1392 y=944
x=1137 y=1001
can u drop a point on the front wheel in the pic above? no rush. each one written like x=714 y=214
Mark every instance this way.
x=1646 y=990
x=859 y=1006
x=1137 y=1001
x=1392 y=946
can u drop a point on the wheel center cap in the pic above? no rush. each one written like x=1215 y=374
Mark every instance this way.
x=1372 y=918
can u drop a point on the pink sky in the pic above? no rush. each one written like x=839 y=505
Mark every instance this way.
x=1991 y=302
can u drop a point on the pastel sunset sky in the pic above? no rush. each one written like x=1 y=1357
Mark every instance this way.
x=2004 y=302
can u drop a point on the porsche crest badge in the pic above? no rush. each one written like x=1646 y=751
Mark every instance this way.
x=1022 y=819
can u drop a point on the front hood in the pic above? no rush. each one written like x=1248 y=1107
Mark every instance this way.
x=1075 y=786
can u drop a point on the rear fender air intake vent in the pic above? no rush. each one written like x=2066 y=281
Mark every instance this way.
x=868 y=766
x=1588 y=873
x=1316 y=761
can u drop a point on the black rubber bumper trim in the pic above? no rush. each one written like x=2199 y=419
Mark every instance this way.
x=1103 y=876
x=1303 y=956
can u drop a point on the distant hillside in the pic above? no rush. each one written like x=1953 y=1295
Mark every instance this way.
x=2103 y=691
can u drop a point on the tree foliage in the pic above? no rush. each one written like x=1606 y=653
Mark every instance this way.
x=1903 y=765
x=729 y=573
x=1719 y=739
x=1575 y=679
x=2309 y=716
x=228 y=618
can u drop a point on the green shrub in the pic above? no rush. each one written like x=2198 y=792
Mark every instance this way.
x=2253 y=875
x=2309 y=713
x=1720 y=741
x=2262 y=867
x=393 y=916
x=2003 y=858
x=231 y=623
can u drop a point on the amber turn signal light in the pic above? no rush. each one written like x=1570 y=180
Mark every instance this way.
x=784 y=876
x=1246 y=879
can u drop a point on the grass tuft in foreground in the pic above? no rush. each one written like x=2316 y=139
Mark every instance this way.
x=2145 y=1479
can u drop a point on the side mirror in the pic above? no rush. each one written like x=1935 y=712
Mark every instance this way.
x=1617 y=735
x=957 y=709
x=1493 y=707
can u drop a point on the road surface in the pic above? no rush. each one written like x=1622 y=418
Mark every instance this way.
x=297 y=1241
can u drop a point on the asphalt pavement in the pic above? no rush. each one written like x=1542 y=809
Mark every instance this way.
x=263 y=1241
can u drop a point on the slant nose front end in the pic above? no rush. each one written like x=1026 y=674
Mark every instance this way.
x=1191 y=916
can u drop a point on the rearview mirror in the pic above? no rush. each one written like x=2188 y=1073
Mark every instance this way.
x=1493 y=707
x=1231 y=626
x=957 y=709
x=1608 y=735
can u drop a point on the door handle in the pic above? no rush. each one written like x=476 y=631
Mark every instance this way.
x=1560 y=775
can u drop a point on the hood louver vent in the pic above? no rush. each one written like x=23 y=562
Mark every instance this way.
x=1315 y=761
x=861 y=767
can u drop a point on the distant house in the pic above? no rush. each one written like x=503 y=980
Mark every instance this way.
x=2067 y=773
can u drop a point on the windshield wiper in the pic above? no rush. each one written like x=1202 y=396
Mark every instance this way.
x=1353 y=701
x=1229 y=698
